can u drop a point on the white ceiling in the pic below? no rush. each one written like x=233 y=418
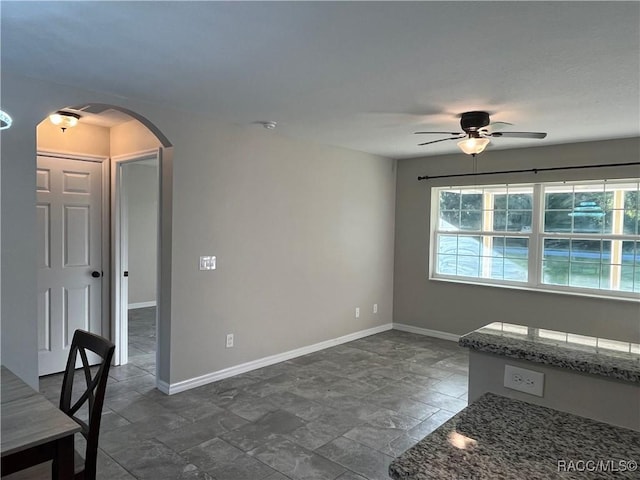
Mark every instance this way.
x=362 y=75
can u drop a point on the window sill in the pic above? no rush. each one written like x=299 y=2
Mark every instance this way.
x=538 y=289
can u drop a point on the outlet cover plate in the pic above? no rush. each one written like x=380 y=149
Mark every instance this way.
x=524 y=380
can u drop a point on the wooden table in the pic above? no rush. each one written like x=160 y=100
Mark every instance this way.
x=33 y=429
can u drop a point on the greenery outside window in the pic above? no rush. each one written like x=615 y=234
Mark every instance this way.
x=572 y=236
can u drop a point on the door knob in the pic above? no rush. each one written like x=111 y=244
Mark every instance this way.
x=96 y=274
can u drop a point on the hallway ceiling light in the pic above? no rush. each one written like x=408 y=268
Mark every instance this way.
x=5 y=120
x=64 y=120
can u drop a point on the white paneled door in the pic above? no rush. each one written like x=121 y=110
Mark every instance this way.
x=69 y=214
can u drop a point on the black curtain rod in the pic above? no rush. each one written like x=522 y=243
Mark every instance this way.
x=529 y=170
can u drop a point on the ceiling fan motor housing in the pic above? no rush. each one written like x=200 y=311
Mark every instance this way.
x=474 y=121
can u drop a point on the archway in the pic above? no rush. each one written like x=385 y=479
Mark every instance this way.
x=112 y=321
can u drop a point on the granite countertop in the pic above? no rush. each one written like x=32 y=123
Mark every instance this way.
x=499 y=437
x=597 y=356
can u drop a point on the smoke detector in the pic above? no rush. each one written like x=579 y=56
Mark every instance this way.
x=269 y=125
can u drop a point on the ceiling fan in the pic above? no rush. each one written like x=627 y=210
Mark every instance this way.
x=477 y=133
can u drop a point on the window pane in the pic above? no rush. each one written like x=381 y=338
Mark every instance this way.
x=449 y=200
x=600 y=199
x=449 y=220
x=516 y=263
x=499 y=220
x=630 y=222
x=447 y=264
x=558 y=201
x=557 y=221
x=584 y=275
x=630 y=253
x=500 y=201
x=517 y=247
x=470 y=220
x=556 y=250
x=555 y=273
x=605 y=257
x=497 y=249
x=448 y=244
x=605 y=277
x=519 y=221
x=631 y=210
x=497 y=268
x=520 y=201
x=468 y=266
x=515 y=269
x=469 y=245
x=632 y=200
x=586 y=251
x=471 y=201
x=588 y=217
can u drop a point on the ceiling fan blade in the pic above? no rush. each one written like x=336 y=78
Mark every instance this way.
x=441 y=140
x=438 y=133
x=495 y=126
x=539 y=135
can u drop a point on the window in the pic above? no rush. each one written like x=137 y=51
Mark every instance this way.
x=571 y=236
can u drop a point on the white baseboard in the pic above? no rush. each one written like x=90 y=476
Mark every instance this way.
x=178 y=387
x=133 y=306
x=425 y=331
x=162 y=386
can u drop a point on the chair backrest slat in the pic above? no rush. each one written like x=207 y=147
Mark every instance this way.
x=93 y=394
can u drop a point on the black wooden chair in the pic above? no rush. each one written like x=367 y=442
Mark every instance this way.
x=83 y=345
x=93 y=395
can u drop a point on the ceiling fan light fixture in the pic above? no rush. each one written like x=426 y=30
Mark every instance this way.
x=473 y=145
x=64 y=120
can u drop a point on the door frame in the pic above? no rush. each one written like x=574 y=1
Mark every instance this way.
x=105 y=323
x=119 y=236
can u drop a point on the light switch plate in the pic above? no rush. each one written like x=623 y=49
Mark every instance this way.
x=208 y=263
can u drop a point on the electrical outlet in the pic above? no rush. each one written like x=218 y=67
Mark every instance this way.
x=229 y=340
x=375 y=308
x=523 y=380
x=357 y=312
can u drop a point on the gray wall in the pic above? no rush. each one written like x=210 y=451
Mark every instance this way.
x=303 y=234
x=460 y=308
x=141 y=184
x=18 y=194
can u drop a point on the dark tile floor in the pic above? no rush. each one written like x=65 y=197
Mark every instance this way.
x=341 y=413
x=142 y=338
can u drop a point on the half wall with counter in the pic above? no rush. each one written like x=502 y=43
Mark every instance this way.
x=592 y=377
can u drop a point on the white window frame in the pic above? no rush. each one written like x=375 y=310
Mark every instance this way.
x=536 y=242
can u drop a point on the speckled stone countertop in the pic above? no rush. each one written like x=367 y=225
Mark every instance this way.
x=501 y=438
x=597 y=356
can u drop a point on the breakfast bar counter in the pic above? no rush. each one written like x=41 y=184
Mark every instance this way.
x=592 y=355
x=499 y=437
x=592 y=377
